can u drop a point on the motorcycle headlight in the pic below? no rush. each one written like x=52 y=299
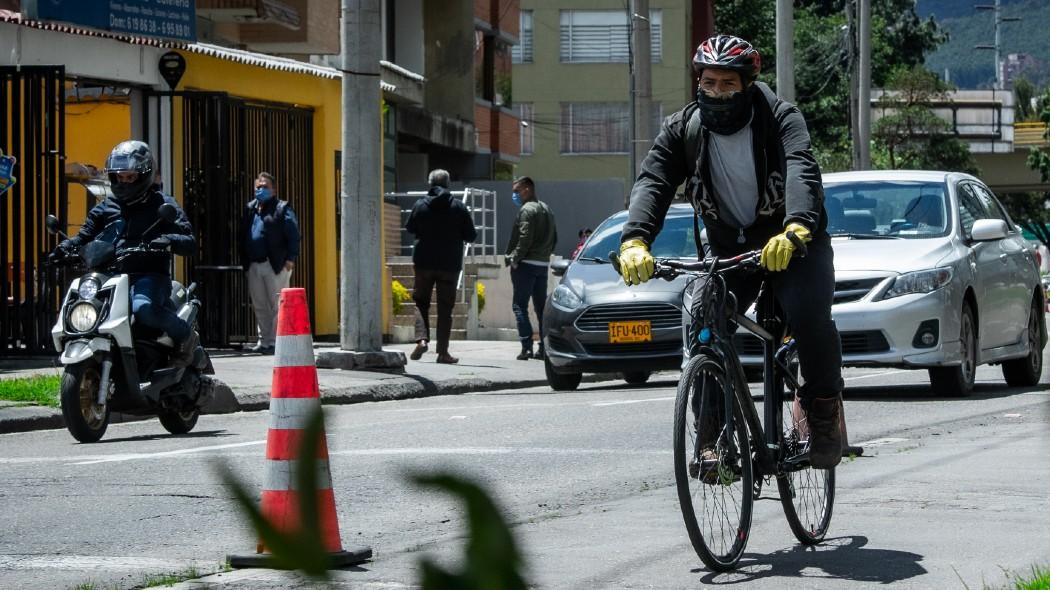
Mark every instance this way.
x=83 y=316
x=88 y=288
x=922 y=281
x=564 y=299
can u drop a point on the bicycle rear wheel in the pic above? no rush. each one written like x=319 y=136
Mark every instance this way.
x=807 y=494
x=714 y=488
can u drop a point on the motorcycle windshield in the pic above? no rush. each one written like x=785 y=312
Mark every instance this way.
x=102 y=249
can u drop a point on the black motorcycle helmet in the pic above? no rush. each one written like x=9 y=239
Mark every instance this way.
x=131 y=156
x=727 y=52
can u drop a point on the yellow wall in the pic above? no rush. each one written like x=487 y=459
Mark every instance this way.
x=92 y=129
x=324 y=96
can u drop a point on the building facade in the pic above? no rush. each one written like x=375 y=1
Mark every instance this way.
x=571 y=84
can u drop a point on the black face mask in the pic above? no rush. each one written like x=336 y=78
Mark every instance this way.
x=725 y=116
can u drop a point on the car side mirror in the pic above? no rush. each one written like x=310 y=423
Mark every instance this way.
x=54 y=226
x=558 y=267
x=167 y=212
x=988 y=230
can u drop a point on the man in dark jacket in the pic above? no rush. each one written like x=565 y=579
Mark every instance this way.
x=441 y=224
x=269 y=247
x=745 y=157
x=532 y=241
x=129 y=220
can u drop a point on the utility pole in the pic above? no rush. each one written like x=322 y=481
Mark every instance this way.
x=642 y=85
x=864 y=90
x=851 y=59
x=632 y=172
x=786 y=50
x=360 y=258
x=999 y=20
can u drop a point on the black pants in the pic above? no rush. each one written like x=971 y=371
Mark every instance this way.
x=425 y=281
x=805 y=291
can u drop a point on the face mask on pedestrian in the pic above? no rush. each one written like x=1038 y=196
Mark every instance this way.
x=724 y=112
x=263 y=195
x=516 y=197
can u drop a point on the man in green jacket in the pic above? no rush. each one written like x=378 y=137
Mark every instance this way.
x=528 y=254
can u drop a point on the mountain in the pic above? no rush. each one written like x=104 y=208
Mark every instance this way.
x=966 y=27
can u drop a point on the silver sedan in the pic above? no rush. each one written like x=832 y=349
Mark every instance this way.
x=931 y=273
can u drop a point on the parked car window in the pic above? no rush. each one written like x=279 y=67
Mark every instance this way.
x=994 y=207
x=971 y=207
x=674 y=241
x=906 y=209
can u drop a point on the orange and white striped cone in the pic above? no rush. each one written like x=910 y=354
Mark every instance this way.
x=295 y=397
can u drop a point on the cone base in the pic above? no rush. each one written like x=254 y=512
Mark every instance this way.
x=265 y=560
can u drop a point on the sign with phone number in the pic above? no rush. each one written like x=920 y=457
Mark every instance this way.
x=166 y=19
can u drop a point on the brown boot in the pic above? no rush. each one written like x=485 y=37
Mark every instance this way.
x=447 y=359
x=421 y=347
x=825 y=441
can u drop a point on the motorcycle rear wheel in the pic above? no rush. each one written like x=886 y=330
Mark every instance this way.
x=179 y=422
x=85 y=419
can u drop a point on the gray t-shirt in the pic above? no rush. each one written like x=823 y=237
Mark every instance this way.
x=732 y=167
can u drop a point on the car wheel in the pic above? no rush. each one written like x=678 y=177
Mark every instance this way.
x=958 y=381
x=636 y=377
x=560 y=381
x=1025 y=371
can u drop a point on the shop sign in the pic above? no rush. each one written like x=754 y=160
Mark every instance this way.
x=165 y=19
x=7 y=168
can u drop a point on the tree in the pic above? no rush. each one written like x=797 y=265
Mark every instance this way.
x=1030 y=211
x=911 y=135
x=1023 y=93
x=1039 y=159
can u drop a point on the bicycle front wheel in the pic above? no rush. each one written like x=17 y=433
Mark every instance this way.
x=712 y=464
x=807 y=494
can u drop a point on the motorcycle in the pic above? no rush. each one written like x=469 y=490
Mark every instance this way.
x=112 y=364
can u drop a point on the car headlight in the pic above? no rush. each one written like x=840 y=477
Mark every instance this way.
x=564 y=299
x=88 y=288
x=922 y=281
x=83 y=316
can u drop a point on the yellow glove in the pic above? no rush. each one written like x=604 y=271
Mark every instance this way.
x=636 y=263
x=778 y=250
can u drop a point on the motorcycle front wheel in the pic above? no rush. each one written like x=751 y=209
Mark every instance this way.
x=85 y=418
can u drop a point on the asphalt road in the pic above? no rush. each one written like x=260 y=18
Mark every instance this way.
x=952 y=495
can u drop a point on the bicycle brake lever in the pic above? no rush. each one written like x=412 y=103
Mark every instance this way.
x=800 y=246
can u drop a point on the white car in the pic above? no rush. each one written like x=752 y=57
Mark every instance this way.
x=930 y=273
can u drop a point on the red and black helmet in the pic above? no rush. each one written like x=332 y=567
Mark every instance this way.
x=727 y=52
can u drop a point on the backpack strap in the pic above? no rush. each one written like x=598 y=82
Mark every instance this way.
x=692 y=142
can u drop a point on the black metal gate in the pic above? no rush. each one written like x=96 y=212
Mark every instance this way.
x=226 y=142
x=32 y=128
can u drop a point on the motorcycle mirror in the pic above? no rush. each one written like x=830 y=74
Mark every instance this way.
x=54 y=226
x=167 y=212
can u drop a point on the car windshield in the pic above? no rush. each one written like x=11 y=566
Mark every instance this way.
x=900 y=209
x=675 y=239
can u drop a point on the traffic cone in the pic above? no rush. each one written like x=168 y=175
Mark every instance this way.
x=295 y=397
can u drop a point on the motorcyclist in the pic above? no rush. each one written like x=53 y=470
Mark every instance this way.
x=130 y=218
x=750 y=174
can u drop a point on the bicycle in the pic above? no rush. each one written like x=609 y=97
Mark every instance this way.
x=722 y=450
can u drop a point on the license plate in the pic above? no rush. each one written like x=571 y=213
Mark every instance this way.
x=627 y=332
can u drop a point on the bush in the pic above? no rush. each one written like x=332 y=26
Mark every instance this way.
x=399 y=294
x=480 y=288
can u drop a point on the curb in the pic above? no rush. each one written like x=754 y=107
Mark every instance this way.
x=228 y=401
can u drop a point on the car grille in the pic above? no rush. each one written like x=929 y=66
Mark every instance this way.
x=861 y=342
x=635 y=348
x=597 y=318
x=854 y=290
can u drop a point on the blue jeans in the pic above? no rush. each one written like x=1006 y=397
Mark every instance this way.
x=528 y=280
x=151 y=305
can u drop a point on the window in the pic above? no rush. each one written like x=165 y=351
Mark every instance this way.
x=599 y=127
x=522 y=52
x=899 y=208
x=528 y=137
x=601 y=36
x=971 y=208
x=994 y=207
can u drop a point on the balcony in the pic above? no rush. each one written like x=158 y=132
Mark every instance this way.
x=1030 y=135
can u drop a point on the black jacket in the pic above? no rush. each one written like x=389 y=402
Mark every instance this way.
x=280 y=229
x=102 y=222
x=788 y=176
x=441 y=224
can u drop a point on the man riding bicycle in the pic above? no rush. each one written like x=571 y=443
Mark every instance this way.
x=745 y=157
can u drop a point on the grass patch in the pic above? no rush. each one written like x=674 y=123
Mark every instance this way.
x=156 y=580
x=1038 y=580
x=38 y=389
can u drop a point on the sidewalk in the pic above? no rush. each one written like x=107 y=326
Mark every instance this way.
x=483 y=366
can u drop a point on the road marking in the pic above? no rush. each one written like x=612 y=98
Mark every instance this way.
x=882 y=374
x=94 y=562
x=881 y=442
x=457 y=417
x=135 y=456
x=496 y=451
x=632 y=401
x=1011 y=415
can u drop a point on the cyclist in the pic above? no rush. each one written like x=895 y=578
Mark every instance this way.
x=750 y=174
